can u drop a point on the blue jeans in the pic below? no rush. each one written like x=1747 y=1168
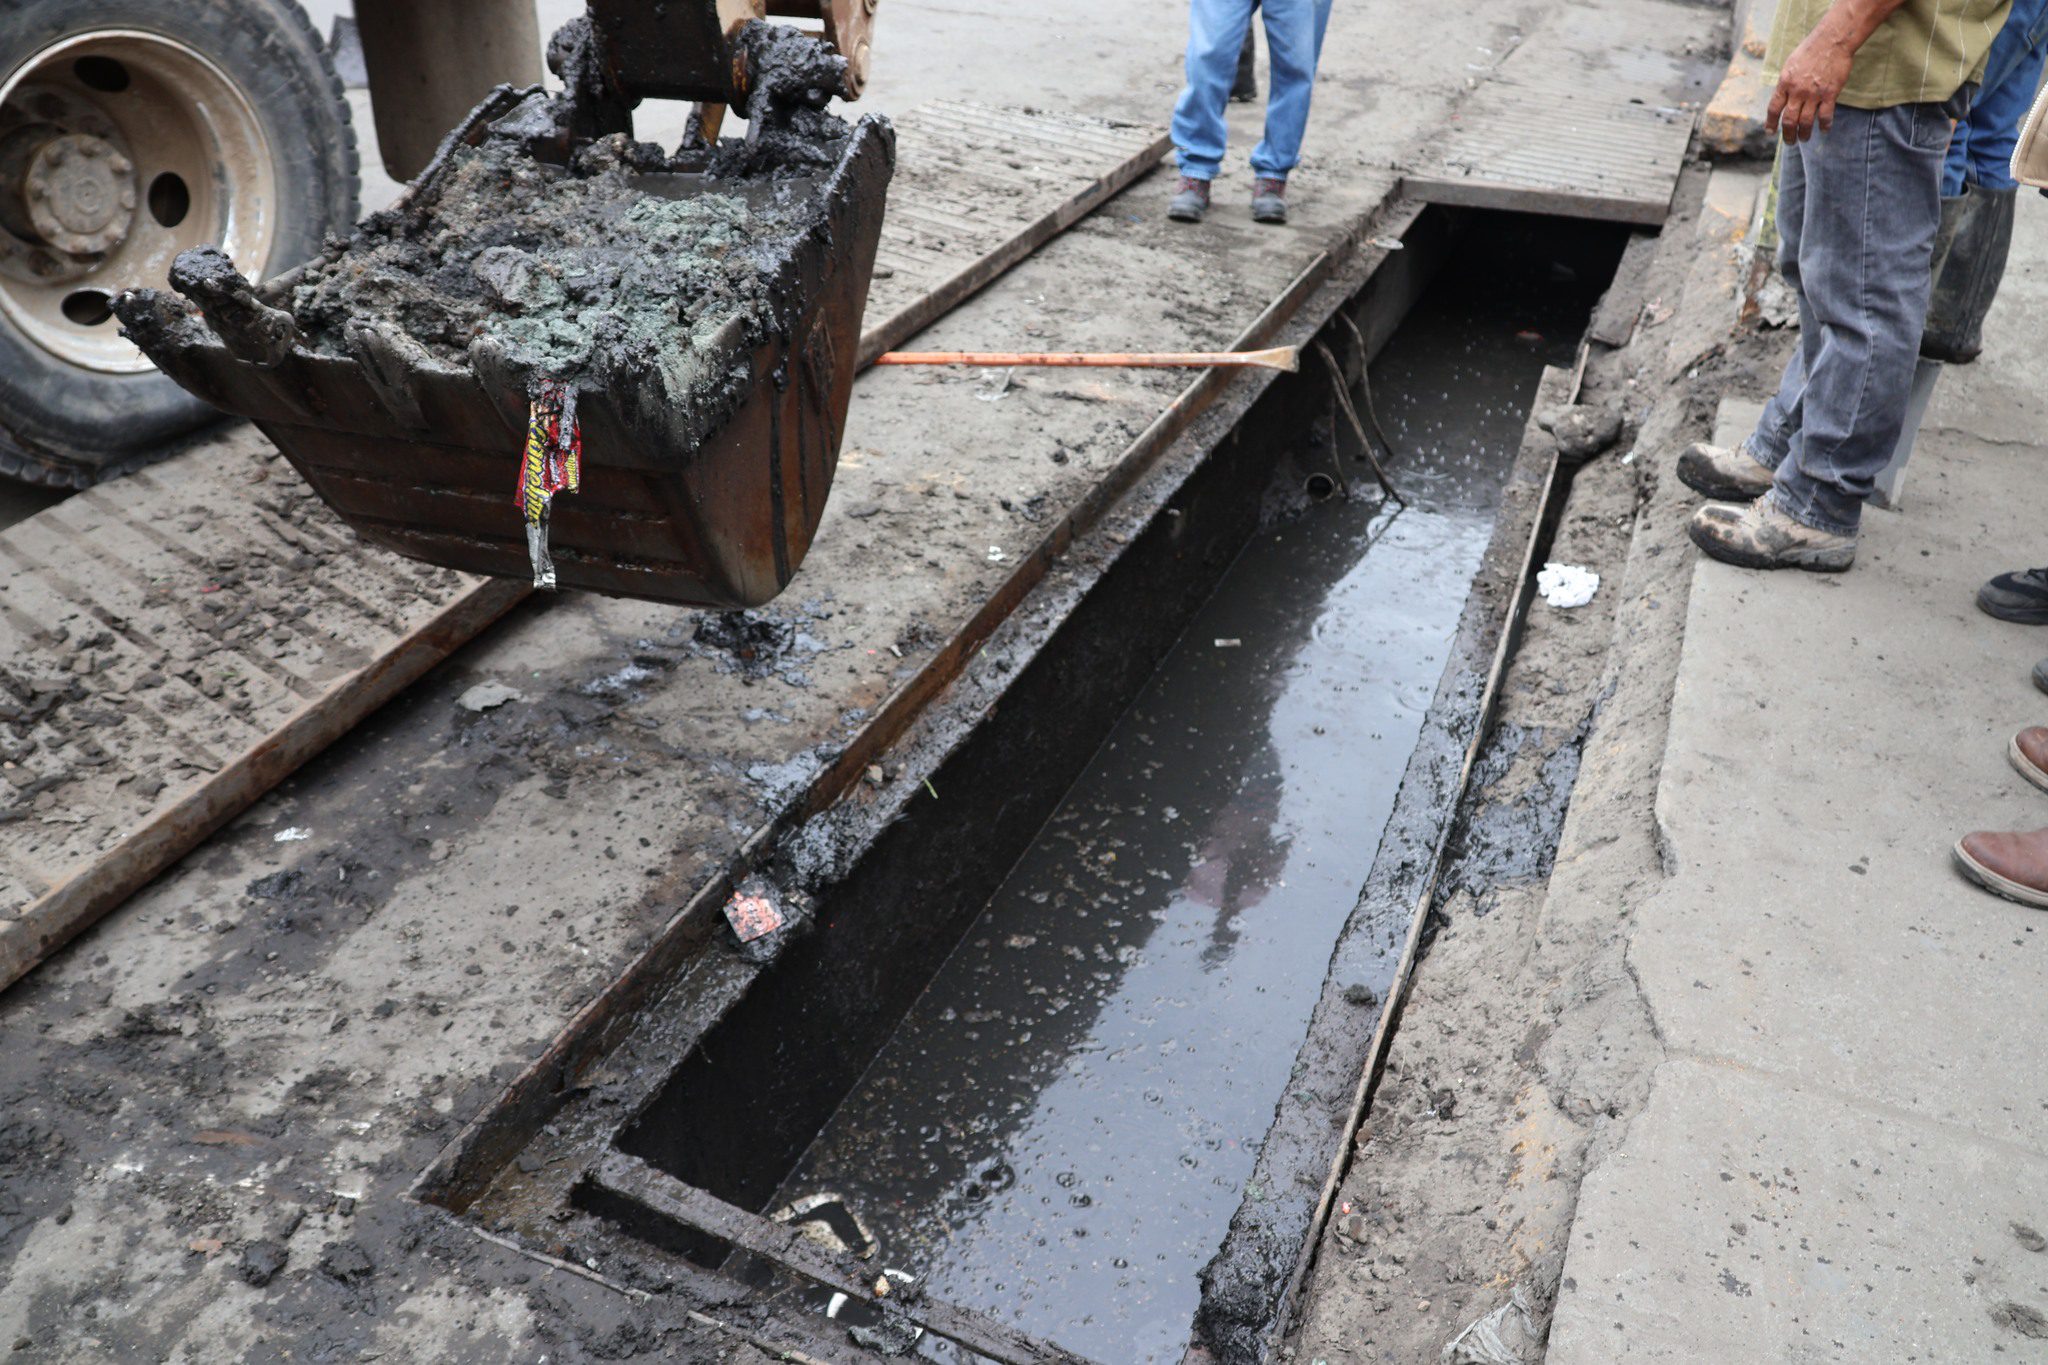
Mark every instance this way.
x=1858 y=208
x=1294 y=42
x=1981 y=152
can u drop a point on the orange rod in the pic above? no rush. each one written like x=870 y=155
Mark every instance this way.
x=1278 y=358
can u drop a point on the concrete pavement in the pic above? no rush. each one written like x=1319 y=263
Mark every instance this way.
x=1842 y=1155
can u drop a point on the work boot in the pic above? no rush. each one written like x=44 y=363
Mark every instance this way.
x=1732 y=475
x=2020 y=597
x=1190 y=201
x=1764 y=536
x=1245 y=89
x=1269 y=200
x=2014 y=866
x=2028 y=754
x=1968 y=279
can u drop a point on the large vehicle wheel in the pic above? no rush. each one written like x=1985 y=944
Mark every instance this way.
x=129 y=131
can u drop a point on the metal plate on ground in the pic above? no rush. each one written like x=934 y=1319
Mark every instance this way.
x=977 y=189
x=1586 y=119
x=178 y=642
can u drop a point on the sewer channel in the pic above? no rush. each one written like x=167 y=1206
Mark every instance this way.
x=1028 y=1041
x=1058 y=1131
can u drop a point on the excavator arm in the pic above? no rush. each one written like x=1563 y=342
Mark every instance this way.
x=647 y=49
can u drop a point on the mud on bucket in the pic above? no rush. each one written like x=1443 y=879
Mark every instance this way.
x=677 y=334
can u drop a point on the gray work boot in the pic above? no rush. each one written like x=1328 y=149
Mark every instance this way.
x=1761 y=536
x=1269 y=200
x=1719 y=472
x=1190 y=201
x=1970 y=273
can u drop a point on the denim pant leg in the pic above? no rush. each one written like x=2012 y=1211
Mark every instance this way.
x=1868 y=215
x=1216 y=30
x=1292 y=27
x=1778 y=428
x=1981 y=153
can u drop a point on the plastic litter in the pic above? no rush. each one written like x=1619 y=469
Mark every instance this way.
x=487 y=696
x=1567 y=585
x=752 y=917
x=1506 y=1336
x=291 y=836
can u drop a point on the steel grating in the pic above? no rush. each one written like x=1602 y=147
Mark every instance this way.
x=179 y=641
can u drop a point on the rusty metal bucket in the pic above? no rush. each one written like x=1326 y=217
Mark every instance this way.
x=422 y=455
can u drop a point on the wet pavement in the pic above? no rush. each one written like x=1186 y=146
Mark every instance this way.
x=1060 y=1131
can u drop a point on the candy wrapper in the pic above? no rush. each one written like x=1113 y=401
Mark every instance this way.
x=553 y=464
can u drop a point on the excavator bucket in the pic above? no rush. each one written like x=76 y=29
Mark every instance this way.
x=695 y=377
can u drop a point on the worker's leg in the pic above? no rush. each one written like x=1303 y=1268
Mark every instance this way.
x=1778 y=427
x=1868 y=215
x=1994 y=122
x=1290 y=77
x=1216 y=30
x=1979 y=194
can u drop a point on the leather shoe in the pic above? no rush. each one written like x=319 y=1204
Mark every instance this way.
x=2014 y=866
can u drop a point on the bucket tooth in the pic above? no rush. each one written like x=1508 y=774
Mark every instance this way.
x=253 y=331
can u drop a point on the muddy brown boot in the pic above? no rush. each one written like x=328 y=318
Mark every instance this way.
x=1730 y=475
x=1269 y=200
x=1190 y=201
x=1762 y=536
x=2014 y=866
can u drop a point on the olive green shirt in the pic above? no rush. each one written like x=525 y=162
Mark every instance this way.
x=1924 y=52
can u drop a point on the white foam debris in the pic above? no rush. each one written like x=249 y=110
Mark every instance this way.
x=1567 y=585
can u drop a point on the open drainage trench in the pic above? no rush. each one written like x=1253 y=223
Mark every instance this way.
x=1044 y=1104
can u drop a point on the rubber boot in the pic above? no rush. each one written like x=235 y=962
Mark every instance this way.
x=1969 y=276
x=1246 y=88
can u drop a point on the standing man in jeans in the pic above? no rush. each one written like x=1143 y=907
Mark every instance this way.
x=1867 y=93
x=1217 y=30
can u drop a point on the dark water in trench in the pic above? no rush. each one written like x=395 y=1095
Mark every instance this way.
x=1060 y=1130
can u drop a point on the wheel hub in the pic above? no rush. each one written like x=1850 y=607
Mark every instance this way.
x=120 y=148
x=80 y=194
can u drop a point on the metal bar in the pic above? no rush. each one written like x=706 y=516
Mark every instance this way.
x=666 y=1198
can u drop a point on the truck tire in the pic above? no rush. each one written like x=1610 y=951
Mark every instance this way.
x=129 y=131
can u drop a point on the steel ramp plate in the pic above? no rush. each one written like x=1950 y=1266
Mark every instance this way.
x=177 y=642
x=1589 y=118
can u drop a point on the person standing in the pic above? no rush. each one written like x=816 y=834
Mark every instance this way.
x=1867 y=94
x=1978 y=192
x=1217 y=31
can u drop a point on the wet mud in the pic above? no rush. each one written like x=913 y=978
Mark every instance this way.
x=1060 y=1130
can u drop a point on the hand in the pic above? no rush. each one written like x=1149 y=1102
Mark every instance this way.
x=1807 y=87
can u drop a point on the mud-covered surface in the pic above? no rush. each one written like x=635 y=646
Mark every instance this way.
x=594 y=275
